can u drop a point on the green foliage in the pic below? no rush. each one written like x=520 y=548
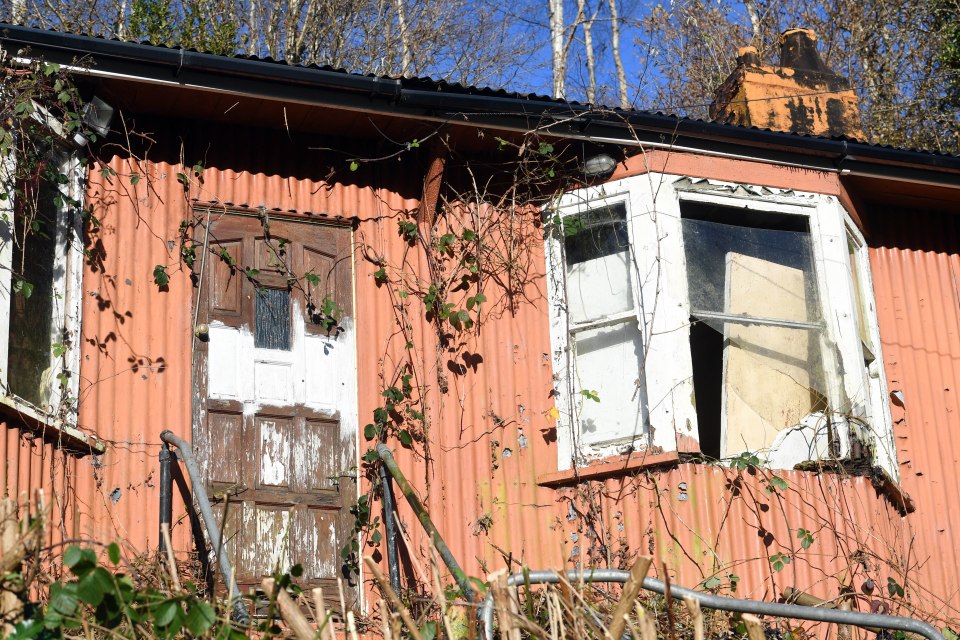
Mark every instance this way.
x=408 y=230
x=590 y=395
x=198 y=24
x=805 y=537
x=715 y=582
x=106 y=598
x=779 y=560
x=894 y=588
x=160 y=276
x=775 y=483
x=745 y=461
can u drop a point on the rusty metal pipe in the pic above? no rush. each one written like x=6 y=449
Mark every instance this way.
x=386 y=456
x=240 y=612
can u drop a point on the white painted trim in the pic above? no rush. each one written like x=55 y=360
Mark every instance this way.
x=7 y=173
x=654 y=210
x=67 y=303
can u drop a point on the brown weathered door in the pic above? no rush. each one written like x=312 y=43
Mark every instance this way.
x=275 y=416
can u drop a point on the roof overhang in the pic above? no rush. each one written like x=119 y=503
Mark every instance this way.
x=439 y=102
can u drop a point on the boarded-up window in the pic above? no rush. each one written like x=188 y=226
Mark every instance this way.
x=610 y=403
x=756 y=331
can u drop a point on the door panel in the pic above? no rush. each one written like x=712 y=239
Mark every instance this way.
x=275 y=418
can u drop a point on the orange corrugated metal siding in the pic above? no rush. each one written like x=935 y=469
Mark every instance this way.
x=488 y=504
x=916 y=275
x=137 y=340
x=31 y=465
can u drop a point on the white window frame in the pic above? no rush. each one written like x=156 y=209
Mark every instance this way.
x=654 y=221
x=65 y=327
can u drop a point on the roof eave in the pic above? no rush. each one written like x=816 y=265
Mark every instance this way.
x=408 y=98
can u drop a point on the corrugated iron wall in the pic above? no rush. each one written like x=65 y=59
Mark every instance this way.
x=490 y=438
x=136 y=337
x=915 y=259
x=30 y=465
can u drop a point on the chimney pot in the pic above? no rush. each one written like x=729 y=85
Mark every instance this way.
x=798 y=50
x=748 y=57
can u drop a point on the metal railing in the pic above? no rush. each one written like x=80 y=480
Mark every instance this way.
x=240 y=612
x=711 y=601
x=390 y=466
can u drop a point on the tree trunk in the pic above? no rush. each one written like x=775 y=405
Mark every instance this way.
x=405 y=48
x=617 y=60
x=588 y=48
x=557 y=48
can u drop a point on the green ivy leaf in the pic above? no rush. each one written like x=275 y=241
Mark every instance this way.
x=405 y=438
x=113 y=552
x=200 y=617
x=894 y=588
x=354 y=165
x=166 y=612
x=776 y=483
x=711 y=583
x=370 y=432
x=429 y=631
x=160 y=275
x=22 y=288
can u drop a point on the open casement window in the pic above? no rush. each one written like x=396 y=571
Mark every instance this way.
x=603 y=397
x=731 y=320
x=40 y=270
x=756 y=332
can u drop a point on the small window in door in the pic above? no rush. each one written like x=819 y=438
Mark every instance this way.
x=272 y=319
x=756 y=332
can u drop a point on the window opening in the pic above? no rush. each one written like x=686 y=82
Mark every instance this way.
x=757 y=333
x=272 y=322
x=609 y=395
x=34 y=296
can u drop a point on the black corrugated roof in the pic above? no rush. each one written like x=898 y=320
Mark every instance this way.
x=439 y=99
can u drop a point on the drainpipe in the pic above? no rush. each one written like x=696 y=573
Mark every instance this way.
x=391 y=526
x=386 y=456
x=240 y=613
x=166 y=494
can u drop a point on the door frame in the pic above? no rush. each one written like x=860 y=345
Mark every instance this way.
x=206 y=214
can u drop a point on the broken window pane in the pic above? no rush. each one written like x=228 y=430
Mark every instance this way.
x=272 y=319
x=752 y=284
x=34 y=297
x=597 y=253
x=608 y=381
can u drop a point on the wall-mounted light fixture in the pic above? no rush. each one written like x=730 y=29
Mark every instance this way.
x=599 y=166
x=95 y=114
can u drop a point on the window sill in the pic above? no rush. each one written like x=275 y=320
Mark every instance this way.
x=19 y=414
x=609 y=467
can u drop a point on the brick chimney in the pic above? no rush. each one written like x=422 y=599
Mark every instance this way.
x=801 y=95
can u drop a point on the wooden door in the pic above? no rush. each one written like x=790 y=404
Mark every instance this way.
x=275 y=416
